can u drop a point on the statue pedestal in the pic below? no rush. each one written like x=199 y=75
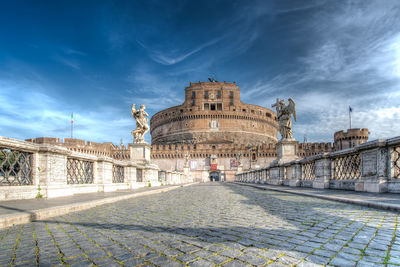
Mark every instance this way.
x=140 y=152
x=287 y=150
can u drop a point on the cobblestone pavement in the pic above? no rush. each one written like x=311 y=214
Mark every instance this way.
x=206 y=225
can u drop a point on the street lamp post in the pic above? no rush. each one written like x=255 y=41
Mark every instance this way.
x=176 y=155
x=250 y=150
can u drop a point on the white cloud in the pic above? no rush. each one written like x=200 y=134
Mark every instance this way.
x=174 y=56
x=70 y=62
x=35 y=114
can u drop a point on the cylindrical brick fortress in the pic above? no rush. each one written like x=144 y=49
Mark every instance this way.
x=213 y=113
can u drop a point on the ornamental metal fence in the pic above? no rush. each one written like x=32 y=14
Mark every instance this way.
x=346 y=167
x=395 y=162
x=161 y=176
x=15 y=167
x=79 y=171
x=118 y=174
x=139 y=175
x=308 y=170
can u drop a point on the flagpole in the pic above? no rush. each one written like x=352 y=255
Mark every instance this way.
x=72 y=125
x=350 y=117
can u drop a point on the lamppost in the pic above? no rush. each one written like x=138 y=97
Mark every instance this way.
x=250 y=158
x=176 y=156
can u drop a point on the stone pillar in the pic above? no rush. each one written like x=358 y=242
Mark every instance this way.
x=374 y=170
x=296 y=175
x=140 y=152
x=52 y=170
x=130 y=176
x=322 y=173
x=104 y=171
x=52 y=167
x=150 y=175
x=168 y=177
x=275 y=175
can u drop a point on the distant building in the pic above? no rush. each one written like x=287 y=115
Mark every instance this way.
x=351 y=138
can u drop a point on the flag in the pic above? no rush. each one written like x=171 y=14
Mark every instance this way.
x=350 y=109
x=72 y=117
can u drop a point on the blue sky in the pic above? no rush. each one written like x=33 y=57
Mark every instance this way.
x=96 y=58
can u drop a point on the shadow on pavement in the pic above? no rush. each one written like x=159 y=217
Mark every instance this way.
x=283 y=223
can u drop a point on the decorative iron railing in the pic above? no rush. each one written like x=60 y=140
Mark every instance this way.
x=15 y=167
x=161 y=176
x=395 y=162
x=308 y=170
x=118 y=174
x=139 y=175
x=346 y=167
x=79 y=171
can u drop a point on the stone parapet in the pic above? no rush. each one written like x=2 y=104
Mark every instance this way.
x=370 y=167
x=45 y=170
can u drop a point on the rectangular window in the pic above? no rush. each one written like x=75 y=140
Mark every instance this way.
x=244 y=110
x=212 y=107
x=206 y=95
x=193 y=94
x=252 y=111
x=193 y=102
x=231 y=94
x=231 y=102
x=219 y=94
x=219 y=106
x=206 y=106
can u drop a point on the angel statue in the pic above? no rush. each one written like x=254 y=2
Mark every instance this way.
x=187 y=158
x=142 y=126
x=284 y=117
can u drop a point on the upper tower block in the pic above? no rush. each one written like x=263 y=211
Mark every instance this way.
x=212 y=96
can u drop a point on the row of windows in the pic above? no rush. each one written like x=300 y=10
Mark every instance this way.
x=206 y=95
x=213 y=106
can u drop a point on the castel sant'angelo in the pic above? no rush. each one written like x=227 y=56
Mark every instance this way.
x=213 y=134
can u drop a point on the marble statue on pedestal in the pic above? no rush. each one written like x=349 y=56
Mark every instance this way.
x=287 y=146
x=284 y=114
x=142 y=126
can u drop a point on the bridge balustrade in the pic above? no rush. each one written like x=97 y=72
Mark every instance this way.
x=371 y=167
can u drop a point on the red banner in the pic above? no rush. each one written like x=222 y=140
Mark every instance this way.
x=213 y=167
